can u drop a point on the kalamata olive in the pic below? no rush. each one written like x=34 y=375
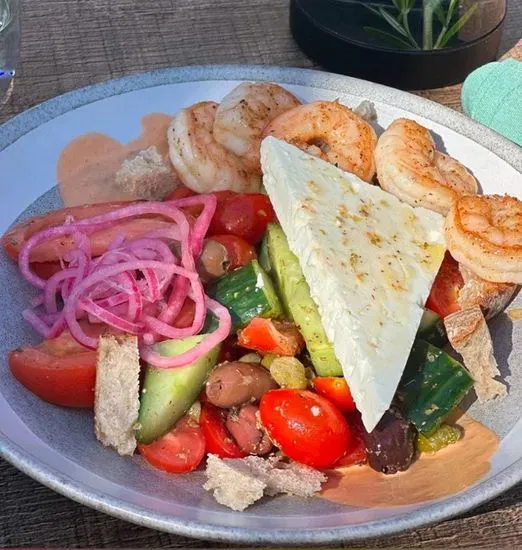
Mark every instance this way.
x=232 y=384
x=390 y=447
x=213 y=261
x=244 y=427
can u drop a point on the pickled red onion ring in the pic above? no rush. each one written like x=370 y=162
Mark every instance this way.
x=152 y=357
x=114 y=287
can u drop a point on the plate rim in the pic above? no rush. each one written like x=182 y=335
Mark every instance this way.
x=509 y=152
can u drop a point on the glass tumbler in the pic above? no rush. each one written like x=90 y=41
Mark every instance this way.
x=9 y=45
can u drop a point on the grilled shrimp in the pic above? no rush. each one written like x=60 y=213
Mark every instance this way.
x=484 y=233
x=201 y=162
x=410 y=167
x=244 y=113
x=331 y=131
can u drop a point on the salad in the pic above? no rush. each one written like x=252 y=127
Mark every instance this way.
x=283 y=304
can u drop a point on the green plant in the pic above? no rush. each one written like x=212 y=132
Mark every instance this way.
x=398 y=34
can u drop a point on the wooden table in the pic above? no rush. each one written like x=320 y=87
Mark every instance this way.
x=67 y=44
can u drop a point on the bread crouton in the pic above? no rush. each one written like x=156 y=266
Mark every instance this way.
x=469 y=335
x=491 y=297
x=233 y=483
x=147 y=175
x=291 y=478
x=116 y=400
x=239 y=482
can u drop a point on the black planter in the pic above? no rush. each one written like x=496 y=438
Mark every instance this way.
x=406 y=69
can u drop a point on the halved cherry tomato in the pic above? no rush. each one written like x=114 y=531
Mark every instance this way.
x=218 y=441
x=60 y=370
x=336 y=390
x=180 y=450
x=305 y=426
x=445 y=290
x=245 y=215
x=239 y=251
x=356 y=453
x=268 y=336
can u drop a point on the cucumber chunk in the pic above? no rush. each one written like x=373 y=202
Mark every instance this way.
x=431 y=329
x=247 y=292
x=169 y=393
x=284 y=266
x=432 y=385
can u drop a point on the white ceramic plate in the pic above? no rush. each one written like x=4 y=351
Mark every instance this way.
x=57 y=446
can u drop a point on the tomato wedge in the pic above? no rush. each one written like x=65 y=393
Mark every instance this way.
x=60 y=370
x=445 y=290
x=305 y=426
x=268 y=336
x=181 y=192
x=13 y=240
x=239 y=251
x=245 y=215
x=336 y=390
x=180 y=450
x=218 y=441
x=45 y=270
x=185 y=317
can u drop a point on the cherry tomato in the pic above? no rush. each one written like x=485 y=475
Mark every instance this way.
x=245 y=215
x=218 y=440
x=180 y=450
x=268 y=336
x=239 y=251
x=305 y=426
x=445 y=290
x=336 y=390
x=60 y=370
x=356 y=453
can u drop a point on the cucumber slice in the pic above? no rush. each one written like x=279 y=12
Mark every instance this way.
x=299 y=305
x=247 y=292
x=432 y=385
x=169 y=393
x=431 y=329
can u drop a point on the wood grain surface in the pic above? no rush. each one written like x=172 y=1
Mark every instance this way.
x=67 y=44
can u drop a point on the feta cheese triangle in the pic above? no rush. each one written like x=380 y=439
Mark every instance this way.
x=369 y=259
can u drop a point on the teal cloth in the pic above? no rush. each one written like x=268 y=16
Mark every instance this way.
x=492 y=95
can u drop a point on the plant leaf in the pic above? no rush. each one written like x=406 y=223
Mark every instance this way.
x=455 y=28
x=399 y=5
x=438 y=10
x=451 y=10
x=392 y=39
x=372 y=9
x=393 y=22
x=441 y=16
